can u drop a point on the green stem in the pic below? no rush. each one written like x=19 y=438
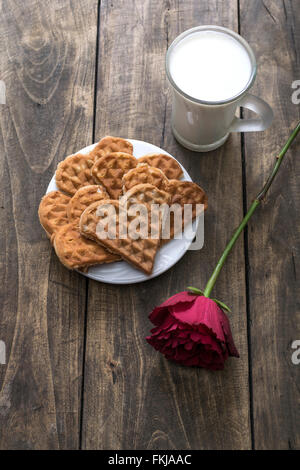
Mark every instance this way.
x=211 y=282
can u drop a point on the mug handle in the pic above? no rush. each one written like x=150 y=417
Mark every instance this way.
x=261 y=108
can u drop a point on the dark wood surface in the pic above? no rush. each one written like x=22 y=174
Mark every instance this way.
x=48 y=64
x=79 y=373
x=274 y=232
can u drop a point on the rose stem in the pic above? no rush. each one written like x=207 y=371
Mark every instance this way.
x=211 y=282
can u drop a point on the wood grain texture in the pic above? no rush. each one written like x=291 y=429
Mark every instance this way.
x=273 y=30
x=47 y=52
x=133 y=397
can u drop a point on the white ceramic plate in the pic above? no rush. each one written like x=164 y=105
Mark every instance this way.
x=121 y=272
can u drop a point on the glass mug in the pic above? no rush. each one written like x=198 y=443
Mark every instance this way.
x=201 y=125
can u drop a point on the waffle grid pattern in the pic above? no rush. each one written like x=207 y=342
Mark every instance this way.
x=53 y=211
x=74 y=172
x=109 y=145
x=110 y=169
x=144 y=174
x=76 y=251
x=167 y=164
x=141 y=252
x=82 y=199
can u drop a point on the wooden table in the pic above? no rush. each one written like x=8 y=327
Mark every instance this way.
x=79 y=373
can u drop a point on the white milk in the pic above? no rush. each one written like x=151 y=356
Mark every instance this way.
x=210 y=66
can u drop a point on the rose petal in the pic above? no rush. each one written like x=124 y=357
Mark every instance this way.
x=159 y=313
x=228 y=335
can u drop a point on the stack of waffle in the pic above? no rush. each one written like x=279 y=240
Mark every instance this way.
x=111 y=177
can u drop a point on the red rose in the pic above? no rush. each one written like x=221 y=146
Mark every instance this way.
x=193 y=331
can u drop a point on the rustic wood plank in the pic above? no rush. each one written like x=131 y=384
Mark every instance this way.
x=272 y=28
x=47 y=53
x=133 y=397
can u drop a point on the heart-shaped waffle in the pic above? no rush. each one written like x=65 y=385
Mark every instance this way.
x=107 y=215
x=142 y=174
x=185 y=192
x=53 y=211
x=111 y=144
x=145 y=194
x=74 y=172
x=110 y=169
x=77 y=252
x=167 y=164
x=148 y=194
x=82 y=199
